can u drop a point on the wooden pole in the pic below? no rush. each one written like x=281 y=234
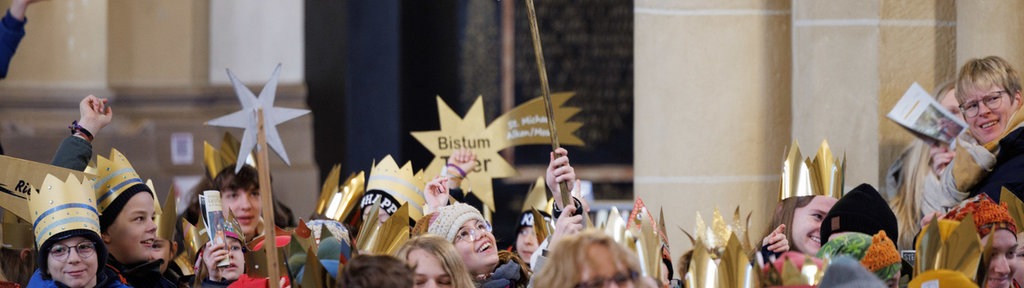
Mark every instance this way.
x=267 y=203
x=542 y=70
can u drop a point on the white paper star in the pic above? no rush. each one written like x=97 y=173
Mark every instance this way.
x=248 y=119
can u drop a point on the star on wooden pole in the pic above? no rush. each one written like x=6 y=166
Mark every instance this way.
x=247 y=117
x=255 y=116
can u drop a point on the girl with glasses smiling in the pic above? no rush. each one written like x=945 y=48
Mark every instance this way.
x=466 y=229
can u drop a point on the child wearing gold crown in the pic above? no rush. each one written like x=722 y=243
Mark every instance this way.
x=994 y=225
x=127 y=212
x=67 y=233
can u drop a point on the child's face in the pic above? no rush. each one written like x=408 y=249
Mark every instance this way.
x=237 y=259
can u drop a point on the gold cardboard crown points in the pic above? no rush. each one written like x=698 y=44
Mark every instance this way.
x=399 y=182
x=61 y=206
x=949 y=245
x=166 y=217
x=731 y=269
x=339 y=199
x=216 y=159
x=537 y=197
x=115 y=175
x=821 y=176
x=376 y=238
x=715 y=238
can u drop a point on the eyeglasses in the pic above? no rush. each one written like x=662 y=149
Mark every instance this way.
x=992 y=101
x=474 y=233
x=61 y=252
x=621 y=279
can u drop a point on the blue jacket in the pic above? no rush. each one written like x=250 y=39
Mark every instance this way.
x=11 y=32
x=1009 y=169
x=107 y=279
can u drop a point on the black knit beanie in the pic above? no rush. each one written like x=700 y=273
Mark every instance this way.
x=388 y=203
x=107 y=216
x=860 y=210
x=43 y=253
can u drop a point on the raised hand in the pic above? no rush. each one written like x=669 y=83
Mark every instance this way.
x=776 y=241
x=559 y=171
x=212 y=255
x=436 y=194
x=95 y=114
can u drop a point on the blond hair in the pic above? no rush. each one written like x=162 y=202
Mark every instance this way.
x=985 y=72
x=565 y=265
x=910 y=190
x=445 y=253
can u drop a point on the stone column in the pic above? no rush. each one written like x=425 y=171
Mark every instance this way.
x=852 y=62
x=712 y=108
x=987 y=28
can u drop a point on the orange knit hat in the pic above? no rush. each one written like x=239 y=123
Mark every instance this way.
x=881 y=254
x=988 y=216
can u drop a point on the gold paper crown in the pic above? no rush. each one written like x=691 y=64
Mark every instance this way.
x=642 y=240
x=194 y=239
x=166 y=217
x=115 y=176
x=615 y=227
x=949 y=245
x=338 y=200
x=537 y=198
x=536 y=201
x=821 y=176
x=217 y=159
x=733 y=270
x=790 y=275
x=1013 y=205
x=17 y=234
x=61 y=206
x=715 y=238
x=399 y=182
x=384 y=239
x=648 y=248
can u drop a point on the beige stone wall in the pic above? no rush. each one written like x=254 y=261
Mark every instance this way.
x=153 y=59
x=722 y=88
x=712 y=107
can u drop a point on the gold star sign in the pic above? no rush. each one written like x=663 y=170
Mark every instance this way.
x=523 y=125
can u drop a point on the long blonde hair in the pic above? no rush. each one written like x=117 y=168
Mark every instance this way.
x=445 y=253
x=564 y=267
x=910 y=188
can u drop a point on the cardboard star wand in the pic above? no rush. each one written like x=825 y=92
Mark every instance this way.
x=256 y=134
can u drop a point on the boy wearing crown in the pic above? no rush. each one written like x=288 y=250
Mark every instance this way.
x=127 y=214
x=240 y=190
x=66 y=228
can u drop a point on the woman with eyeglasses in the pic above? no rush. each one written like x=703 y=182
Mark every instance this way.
x=590 y=259
x=991 y=155
x=464 y=227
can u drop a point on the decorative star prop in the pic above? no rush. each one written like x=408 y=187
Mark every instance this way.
x=469 y=132
x=525 y=124
x=248 y=119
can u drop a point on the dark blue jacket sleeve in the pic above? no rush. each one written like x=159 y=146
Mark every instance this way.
x=74 y=153
x=11 y=32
